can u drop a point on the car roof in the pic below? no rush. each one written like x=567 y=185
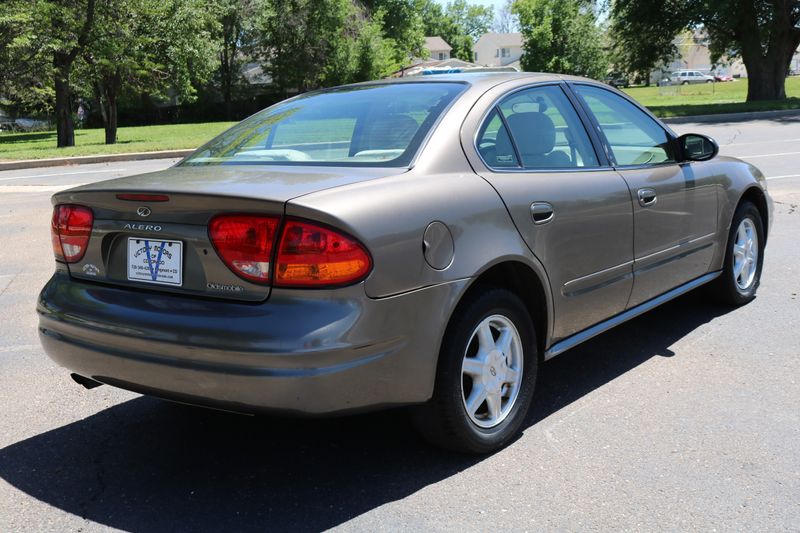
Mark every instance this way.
x=479 y=79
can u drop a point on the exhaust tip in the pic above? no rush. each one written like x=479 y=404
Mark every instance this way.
x=86 y=382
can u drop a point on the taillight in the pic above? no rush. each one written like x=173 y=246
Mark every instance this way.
x=70 y=230
x=313 y=256
x=244 y=242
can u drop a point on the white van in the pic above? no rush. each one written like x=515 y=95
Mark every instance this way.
x=685 y=77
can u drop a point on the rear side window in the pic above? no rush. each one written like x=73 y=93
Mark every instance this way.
x=634 y=137
x=363 y=125
x=545 y=132
x=495 y=145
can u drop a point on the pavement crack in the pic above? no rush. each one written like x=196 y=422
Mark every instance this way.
x=13 y=278
x=792 y=207
x=735 y=135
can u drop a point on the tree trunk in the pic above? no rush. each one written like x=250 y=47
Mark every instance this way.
x=109 y=88
x=226 y=96
x=65 y=129
x=766 y=73
x=766 y=82
x=111 y=119
x=225 y=75
x=99 y=98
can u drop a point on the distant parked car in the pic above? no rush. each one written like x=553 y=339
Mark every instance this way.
x=617 y=79
x=29 y=124
x=685 y=77
x=722 y=77
x=22 y=124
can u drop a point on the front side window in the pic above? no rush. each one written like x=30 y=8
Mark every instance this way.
x=546 y=131
x=633 y=136
x=368 y=125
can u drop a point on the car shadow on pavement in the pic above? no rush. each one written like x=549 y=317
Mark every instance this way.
x=147 y=465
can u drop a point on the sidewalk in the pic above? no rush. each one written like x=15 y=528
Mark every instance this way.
x=724 y=118
x=84 y=159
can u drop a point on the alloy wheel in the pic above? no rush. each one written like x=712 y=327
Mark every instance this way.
x=745 y=255
x=491 y=371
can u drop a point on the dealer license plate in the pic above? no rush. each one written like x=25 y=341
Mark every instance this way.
x=155 y=261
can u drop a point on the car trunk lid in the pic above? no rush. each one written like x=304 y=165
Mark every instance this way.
x=165 y=245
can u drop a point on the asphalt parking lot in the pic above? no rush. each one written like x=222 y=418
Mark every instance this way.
x=687 y=418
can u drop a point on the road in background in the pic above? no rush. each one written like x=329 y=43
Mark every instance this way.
x=685 y=418
x=771 y=145
x=57 y=178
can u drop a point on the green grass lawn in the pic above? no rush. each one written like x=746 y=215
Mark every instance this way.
x=41 y=145
x=710 y=98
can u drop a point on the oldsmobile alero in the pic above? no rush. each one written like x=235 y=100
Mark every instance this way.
x=426 y=242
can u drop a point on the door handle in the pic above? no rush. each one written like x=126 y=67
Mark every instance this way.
x=647 y=197
x=542 y=212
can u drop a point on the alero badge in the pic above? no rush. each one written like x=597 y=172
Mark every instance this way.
x=143 y=211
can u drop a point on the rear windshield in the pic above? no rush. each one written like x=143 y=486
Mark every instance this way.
x=372 y=125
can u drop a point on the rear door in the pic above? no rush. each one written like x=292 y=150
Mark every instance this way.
x=572 y=209
x=675 y=204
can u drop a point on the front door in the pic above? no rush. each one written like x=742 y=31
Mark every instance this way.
x=674 y=205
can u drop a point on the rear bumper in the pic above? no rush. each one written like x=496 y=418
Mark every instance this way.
x=309 y=352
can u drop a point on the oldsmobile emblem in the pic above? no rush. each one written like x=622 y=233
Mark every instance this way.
x=90 y=269
x=223 y=287
x=143 y=211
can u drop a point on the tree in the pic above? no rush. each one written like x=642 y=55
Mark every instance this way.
x=458 y=23
x=234 y=17
x=71 y=25
x=506 y=21
x=297 y=38
x=474 y=20
x=765 y=34
x=58 y=30
x=152 y=46
x=308 y=44
x=400 y=21
x=377 y=55
x=561 y=36
x=26 y=81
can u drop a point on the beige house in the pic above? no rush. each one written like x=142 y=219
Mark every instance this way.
x=498 y=49
x=693 y=54
x=437 y=48
x=794 y=66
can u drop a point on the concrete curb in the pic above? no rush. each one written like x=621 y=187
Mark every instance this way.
x=84 y=159
x=733 y=117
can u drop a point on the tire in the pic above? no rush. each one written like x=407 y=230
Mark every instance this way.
x=446 y=420
x=738 y=284
x=685 y=83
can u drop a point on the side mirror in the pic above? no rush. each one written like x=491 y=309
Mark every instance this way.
x=696 y=147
